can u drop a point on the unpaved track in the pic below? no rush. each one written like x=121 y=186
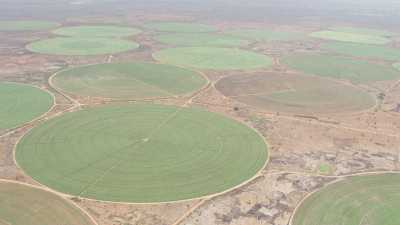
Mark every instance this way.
x=76 y=104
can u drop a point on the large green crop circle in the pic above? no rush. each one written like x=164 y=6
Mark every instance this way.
x=363 y=50
x=97 y=31
x=81 y=46
x=372 y=200
x=26 y=25
x=213 y=58
x=203 y=39
x=21 y=104
x=354 y=35
x=180 y=27
x=354 y=70
x=22 y=205
x=266 y=35
x=294 y=93
x=129 y=80
x=141 y=153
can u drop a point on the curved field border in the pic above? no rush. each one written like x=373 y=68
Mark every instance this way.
x=199 y=73
x=192 y=192
x=206 y=197
x=340 y=178
x=34 y=119
x=63 y=197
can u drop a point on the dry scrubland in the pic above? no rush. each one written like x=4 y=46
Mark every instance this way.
x=326 y=102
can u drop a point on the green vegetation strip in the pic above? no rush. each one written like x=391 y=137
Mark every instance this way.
x=362 y=50
x=129 y=80
x=362 y=36
x=213 y=58
x=26 y=25
x=81 y=46
x=141 y=153
x=22 y=205
x=266 y=35
x=203 y=39
x=356 y=71
x=372 y=200
x=180 y=27
x=97 y=31
x=294 y=93
x=21 y=104
x=366 y=31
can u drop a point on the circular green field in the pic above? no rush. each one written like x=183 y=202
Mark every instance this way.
x=180 y=27
x=266 y=35
x=294 y=93
x=21 y=104
x=213 y=58
x=356 y=71
x=362 y=50
x=22 y=205
x=129 y=80
x=361 y=200
x=97 y=31
x=366 y=31
x=26 y=25
x=81 y=46
x=203 y=39
x=141 y=153
x=362 y=36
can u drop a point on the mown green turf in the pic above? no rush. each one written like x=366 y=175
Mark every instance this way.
x=266 y=35
x=372 y=200
x=141 y=153
x=294 y=93
x=354 y=70
x=180 y=27
x=81 y=46
x=105 y=31
x=21 y=104
x=351 y=35
x=26 y=25
x=362 y=50
x=203 y=39
x=22 y=205
x=129 y=80
x=213 y=58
